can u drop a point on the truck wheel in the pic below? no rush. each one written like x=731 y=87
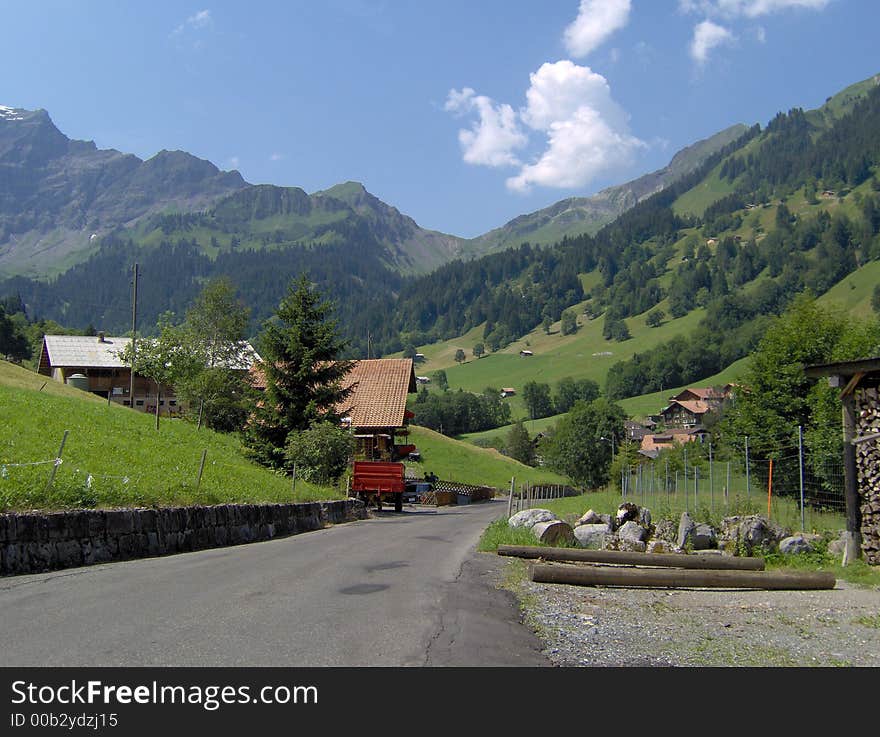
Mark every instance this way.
x=378 y=502
x=398 y=502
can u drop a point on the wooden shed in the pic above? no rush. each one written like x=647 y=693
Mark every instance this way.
x=859 y=384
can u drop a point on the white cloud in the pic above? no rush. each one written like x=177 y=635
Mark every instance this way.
x=197 y=21
x=595 y=22
x=494 y=136
x=707 y=36
x=233 y=162
x=747 y=8
x=275 y=156
x=587 y=132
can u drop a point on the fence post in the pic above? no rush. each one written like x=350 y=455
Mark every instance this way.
x=801 y=469
x=201 y=468
x=57 y=461
x=510 y=498
x=293 y=490
x=727 y=488
x=696 y=488
x=711 y=482
x=748 y=479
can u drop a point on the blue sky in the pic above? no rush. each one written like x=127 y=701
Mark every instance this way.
x=462 y=115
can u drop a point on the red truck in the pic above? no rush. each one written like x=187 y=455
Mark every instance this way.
x=373 y=479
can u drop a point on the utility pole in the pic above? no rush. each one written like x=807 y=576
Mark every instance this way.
x=134 y=302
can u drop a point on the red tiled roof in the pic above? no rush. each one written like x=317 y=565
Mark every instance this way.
x=378 y=398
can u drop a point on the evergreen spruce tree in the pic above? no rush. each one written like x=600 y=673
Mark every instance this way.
x=300 y=347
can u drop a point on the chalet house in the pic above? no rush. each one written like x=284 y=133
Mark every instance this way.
x=92 y=363
x=423 y=379
x=525 y=353
x=653 y=444
x=689 y=407
x=376 y=408
x=684 y=413
x=507 y=391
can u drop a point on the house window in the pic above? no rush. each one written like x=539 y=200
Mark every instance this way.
x=172 y=402
x=139 y=402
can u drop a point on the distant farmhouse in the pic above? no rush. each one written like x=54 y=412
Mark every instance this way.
x=682 y=419
x=92 y=363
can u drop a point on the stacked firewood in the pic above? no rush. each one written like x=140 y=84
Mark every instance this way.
x=868 y=464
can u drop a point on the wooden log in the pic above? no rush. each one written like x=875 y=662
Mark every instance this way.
x=672 y=578
x=700 y=562
x=554 y=532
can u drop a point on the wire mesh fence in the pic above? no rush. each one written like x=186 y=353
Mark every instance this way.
x=792 y=486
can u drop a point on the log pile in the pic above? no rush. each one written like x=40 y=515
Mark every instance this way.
x=868 y=465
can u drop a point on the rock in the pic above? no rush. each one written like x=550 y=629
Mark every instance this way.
x=632 y=546
x=838 y=545
x=795 y=544
x=644 y=518
x=659 y=547
x=751 y=532
x=685 y=528
x=592 y=536
x=703 y=537
x=530 y=517
x=554 y=532
x=626 y=512
x=590 y=517
x=632 y=532
x=665 y=530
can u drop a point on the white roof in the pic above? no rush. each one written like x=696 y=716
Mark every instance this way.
x=85 y=351
x=88 y=351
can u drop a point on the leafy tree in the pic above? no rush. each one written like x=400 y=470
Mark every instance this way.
x=409 y=351
x=478 y=350
x=300 y=349
x=440 y=379
x=537 y=399
x=569 y=323
x=460 y=356
x=166 y=360
x=215 y=330
x=655 y=318
x=778 y=396
x=575 y=447
x=518 y=445
x=875 y=299
x=546 y=323
x=569 y=391
x=321 y=452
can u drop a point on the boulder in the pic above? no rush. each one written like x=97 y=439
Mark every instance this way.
x=592 y=536
x=632 y=532
x=795 y=544
x=662 y=547
x=626 y=512
x=703 y=537
x=530 y=517
x=838 y=545
x=665 y=530
x=556 y=532
x=752 y=532
x=632 y=546
x=685 y=528
x=644 y=518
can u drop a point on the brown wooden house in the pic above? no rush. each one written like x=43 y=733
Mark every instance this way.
x=376 y=408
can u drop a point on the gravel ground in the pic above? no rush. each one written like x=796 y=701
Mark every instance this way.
x=586 y=626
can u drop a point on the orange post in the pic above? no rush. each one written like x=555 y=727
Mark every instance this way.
x=769 y=488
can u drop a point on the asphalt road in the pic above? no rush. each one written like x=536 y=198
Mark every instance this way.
x=396 y=590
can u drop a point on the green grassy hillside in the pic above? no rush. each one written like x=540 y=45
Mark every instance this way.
x=454 y=460
x=114 y=457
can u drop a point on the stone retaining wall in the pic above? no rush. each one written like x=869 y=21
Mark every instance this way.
x=34 y=542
